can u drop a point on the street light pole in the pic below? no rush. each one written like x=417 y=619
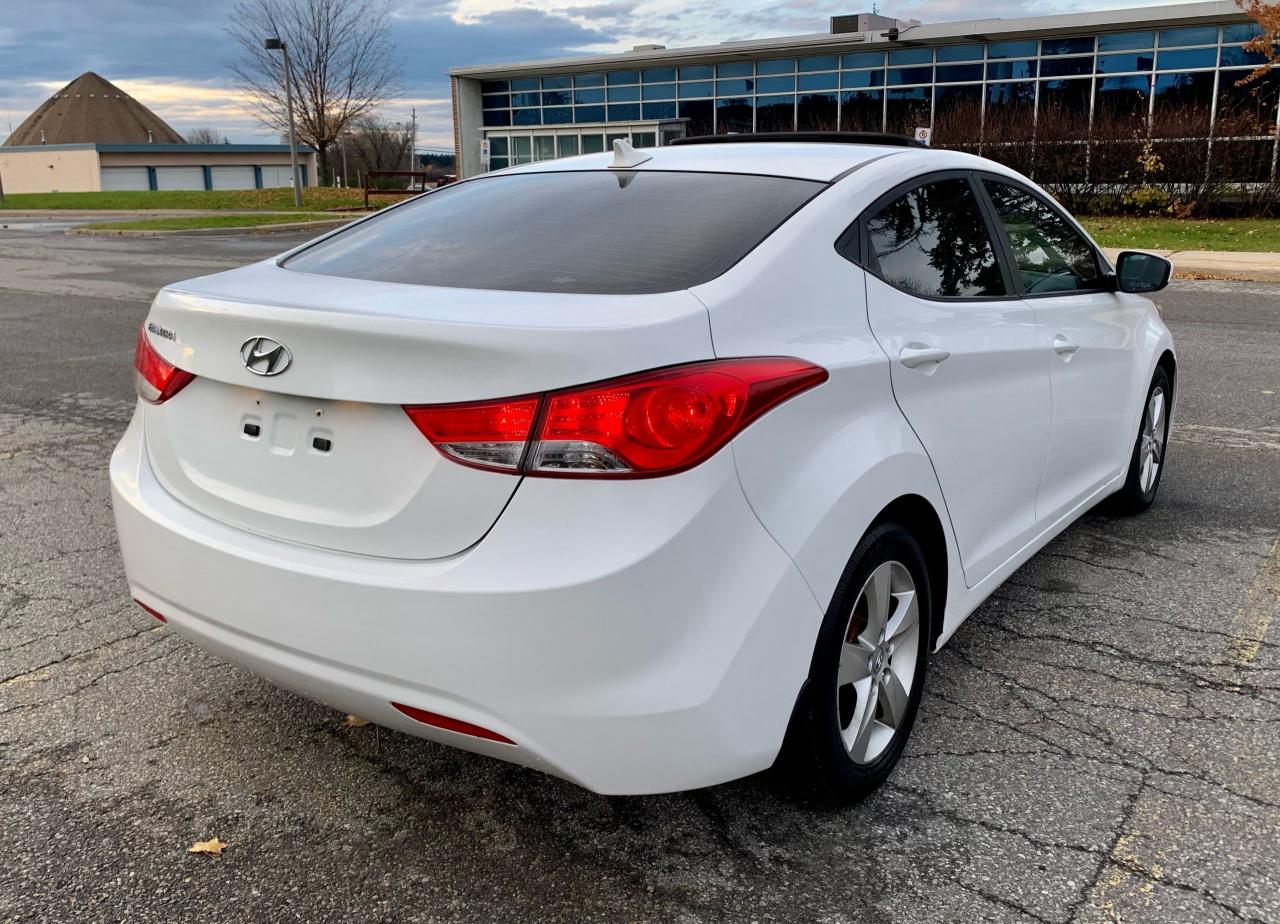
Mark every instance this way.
x=275 y=44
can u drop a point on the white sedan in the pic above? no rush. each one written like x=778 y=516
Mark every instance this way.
x=650 y=470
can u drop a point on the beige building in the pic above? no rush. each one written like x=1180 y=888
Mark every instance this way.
x=91 y=136
x=112 y=167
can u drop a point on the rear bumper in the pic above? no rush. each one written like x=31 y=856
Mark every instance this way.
x=633 y=637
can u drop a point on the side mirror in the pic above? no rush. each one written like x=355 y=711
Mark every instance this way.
x=1141 y=273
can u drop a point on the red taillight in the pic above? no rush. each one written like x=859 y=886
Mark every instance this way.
x=653 y=423
x=487 y=434
x=155 y=378
x=437 y=720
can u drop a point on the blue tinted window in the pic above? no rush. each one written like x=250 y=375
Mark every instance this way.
x=660 y=91
x=527 y=116
x=624 y=94
x=777 y=66
x=817 y=112
x=696 y=72
x=589 y=80
x=526 y=99
x=819 y=63
x=733 y=87
x=497 y=117
x=1066 y=67
x=735 y=69
x=776 y=114
x=616 y=77
x=588 y=96
x=959 y=73
x=557 y=98
x=688 y=90
x=1118 y=64
x=862 y=79
x=588 y=114
x=659 y=74
x=775 y=85
x=501 y=101
x=526 y=83
x=900 y=75
x=1011 y=94
x=1179 y=60
x=1197 y=35
x=862 y=110
x=1011 y=50
x=559 y=82
x=558 y=115
x=818 y=81
x=911 y=56
x=1124 y=41
x=626 y=112
x=494 y=86
x=659 y=110
x=959 y=53
x=864 y=59
x=1241 y=32
x=1238 y=57
x=1010 y=70
x=1067 y=46
x=735 y=114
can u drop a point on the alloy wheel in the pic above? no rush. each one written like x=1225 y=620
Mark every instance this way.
x=1151 y=453
x=878 y=662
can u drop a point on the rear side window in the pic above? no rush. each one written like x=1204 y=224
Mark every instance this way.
x=933 y=242
x=599 y=232
x=1049 y=254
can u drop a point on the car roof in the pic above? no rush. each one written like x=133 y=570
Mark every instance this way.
x=805 y=161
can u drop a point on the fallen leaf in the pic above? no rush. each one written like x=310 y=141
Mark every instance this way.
x=354 y=721
x=213 y=847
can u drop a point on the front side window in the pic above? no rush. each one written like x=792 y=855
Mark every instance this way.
x=933 y=242
x=599 y=232
x=1049 y=255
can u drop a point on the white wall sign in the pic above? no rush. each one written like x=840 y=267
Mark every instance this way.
x=924 y=135
x=484 y=151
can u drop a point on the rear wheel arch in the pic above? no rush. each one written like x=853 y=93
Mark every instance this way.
x=918 y=516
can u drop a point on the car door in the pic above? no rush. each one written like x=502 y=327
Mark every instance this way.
x=1088 y=338
x=965 y=350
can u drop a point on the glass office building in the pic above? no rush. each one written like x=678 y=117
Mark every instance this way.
x=1169 y=73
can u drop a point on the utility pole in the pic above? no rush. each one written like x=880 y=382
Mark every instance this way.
x=413 y=142
x=275 y=44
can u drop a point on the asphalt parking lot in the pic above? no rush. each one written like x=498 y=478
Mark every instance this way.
x=1099 y=743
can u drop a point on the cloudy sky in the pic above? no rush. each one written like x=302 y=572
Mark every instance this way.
x=173 y=55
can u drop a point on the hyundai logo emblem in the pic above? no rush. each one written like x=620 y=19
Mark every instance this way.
x=264 y=356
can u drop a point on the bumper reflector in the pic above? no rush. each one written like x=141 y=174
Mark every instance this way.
x=150 y=610
x=436 y=720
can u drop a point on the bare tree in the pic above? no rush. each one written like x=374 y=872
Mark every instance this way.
x=342 y=57
x=204 y=136
x=375 y=143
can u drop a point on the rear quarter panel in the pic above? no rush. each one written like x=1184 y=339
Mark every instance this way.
x=818 y=469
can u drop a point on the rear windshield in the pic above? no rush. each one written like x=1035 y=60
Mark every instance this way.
x=592 y=232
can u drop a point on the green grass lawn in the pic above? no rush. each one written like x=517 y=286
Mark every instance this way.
x=1253 y=234
x=313 y=199
x=207 y=221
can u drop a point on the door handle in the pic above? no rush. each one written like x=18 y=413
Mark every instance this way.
x=1064 y=347
x=917 y=354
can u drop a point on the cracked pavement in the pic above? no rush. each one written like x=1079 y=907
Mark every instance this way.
x=1100 y=742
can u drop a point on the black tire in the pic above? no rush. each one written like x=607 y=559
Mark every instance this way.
x=815 y=757
x=1139 y=492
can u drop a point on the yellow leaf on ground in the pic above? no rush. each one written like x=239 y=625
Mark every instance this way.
x=354 y=721
x=213 y=846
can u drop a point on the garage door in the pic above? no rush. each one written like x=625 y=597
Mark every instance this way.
x=179 y=178
x=117 y=179
x=275 y=176
x=232 y=177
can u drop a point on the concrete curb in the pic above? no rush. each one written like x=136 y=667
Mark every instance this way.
x=1244 y=266
x=199 y=232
